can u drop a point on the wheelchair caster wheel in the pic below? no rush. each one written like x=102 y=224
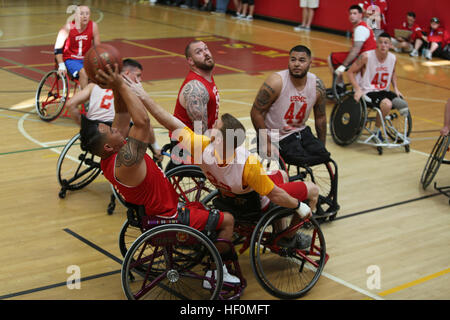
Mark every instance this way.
x=62 y=194
x=407 y=148
x=380 y=150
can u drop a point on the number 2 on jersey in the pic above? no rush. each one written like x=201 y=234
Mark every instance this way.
x=289 y=116
x=107 y=99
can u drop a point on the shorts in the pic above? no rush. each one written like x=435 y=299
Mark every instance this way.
x=313 y=4
x=74 y=66
x=303 y=149
x=378 y=96
x=250 y=2
x=198 y=216
x=296 y=189
x=337 y=58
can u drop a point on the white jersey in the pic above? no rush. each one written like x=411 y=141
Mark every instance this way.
x=101 y=105
x=229 y=177
x=289 y=113
x=376 y=76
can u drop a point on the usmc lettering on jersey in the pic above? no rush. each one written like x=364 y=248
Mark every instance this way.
x=382 y=68
x=298 y=98
x=81 y=37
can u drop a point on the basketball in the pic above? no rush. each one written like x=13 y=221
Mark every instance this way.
x=98 y=57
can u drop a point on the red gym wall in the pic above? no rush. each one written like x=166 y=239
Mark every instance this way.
x=332 y=14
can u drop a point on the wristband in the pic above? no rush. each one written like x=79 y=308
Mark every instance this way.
x=303 y=210
x=341 y=69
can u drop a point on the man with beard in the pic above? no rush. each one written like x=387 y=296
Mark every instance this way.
x=198 y=99
x=282 y=107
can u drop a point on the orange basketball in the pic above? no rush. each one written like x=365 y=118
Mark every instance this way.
x=98 y=57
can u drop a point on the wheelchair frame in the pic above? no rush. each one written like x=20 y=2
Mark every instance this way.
x=343 y=118
x=435 y=159
x=84 y=168
x=313 y=257
x=57 y=92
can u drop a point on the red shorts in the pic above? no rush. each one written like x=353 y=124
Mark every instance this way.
x=296 y=189
x=337 y=58
x=198 y=216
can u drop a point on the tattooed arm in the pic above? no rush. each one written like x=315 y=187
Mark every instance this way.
x=194 y=98
x=267 y=95
x=130 y=167
x=320 y=114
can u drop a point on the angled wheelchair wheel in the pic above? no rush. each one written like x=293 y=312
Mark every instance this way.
x=286 y=273
x=169 y=262
x=190 y=183
x=347 y=120
x=395 y=124
x=76 y=168
x=51 y=96
x=128 y=234
x=434 y=160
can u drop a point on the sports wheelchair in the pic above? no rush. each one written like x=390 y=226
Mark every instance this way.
x=437 y=156
x=324 y=175
x=349 y=119
x=52 y=94
x=164 y=259
x=76 y=168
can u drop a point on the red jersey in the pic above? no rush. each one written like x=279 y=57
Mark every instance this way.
x=155 y=192
x=371 y=42
x=415 y=29
x=213 y=102
x=78 y=43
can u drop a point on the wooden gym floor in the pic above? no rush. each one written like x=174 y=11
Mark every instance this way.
x=386 y=223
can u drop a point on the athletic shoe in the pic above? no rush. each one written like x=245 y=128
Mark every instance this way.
x=398 y=50
x=414 y=53
x=299 y=28
x=248 y=18
x=428 y=55
x=237 y=16
x=227 y=277
x=300 y=241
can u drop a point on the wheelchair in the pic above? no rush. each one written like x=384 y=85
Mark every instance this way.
x=324 y=175
x=52 y=94
x=436 y=158
x=166 y=260
x=352 y=121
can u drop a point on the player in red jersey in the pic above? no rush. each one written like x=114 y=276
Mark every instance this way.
x=133 y=173
x=198 y=99
x=73 y=41
x=363 y=40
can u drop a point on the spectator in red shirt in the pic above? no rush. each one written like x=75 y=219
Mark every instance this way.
x=407 y=44
x=432 y=41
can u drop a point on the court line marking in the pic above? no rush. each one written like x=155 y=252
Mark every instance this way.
x=415 y=282
x=178 y=55
x=56 y=285
x=101 y=15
